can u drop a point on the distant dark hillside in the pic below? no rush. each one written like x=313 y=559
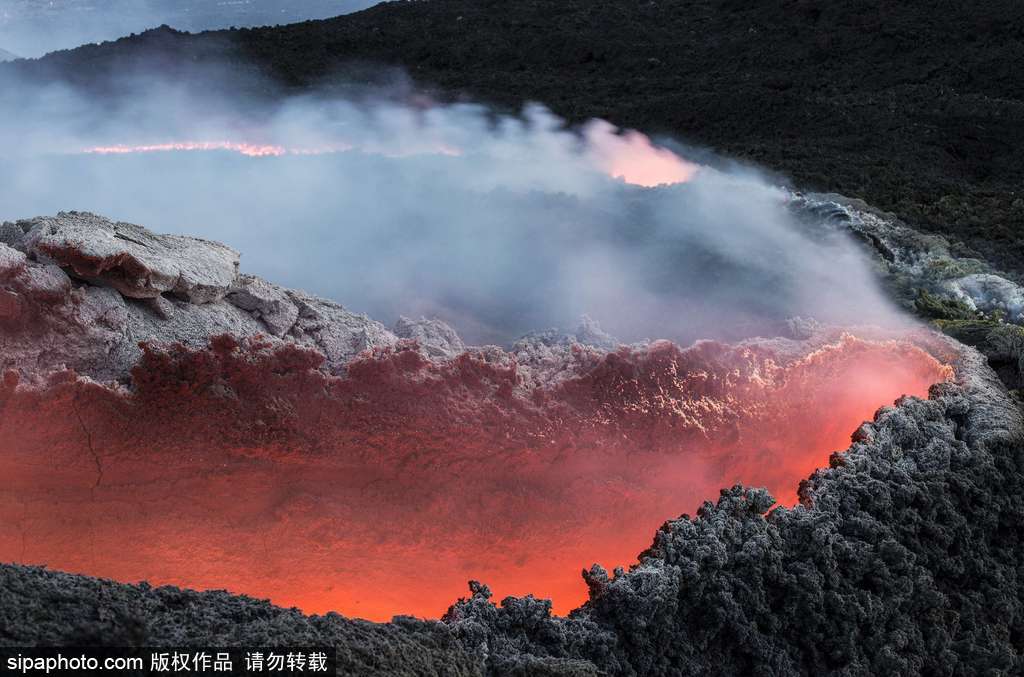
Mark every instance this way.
x=33 y=27
x=916 y=107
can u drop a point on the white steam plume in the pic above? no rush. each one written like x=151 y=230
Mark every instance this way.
x=498 y=225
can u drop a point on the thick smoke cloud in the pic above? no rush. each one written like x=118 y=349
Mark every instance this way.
x=31 y=28
x=498 y=225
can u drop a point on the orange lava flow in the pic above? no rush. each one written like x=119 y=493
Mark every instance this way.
x=242 y=466
x=267 y=150
x=250 y=150
x=630 y=157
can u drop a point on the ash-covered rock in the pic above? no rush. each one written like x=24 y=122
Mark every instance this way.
x=911 y=261
x=336 y=332
x=131 y=259
x=904 y=558
x=962 y=295
x=989 y=293
x=266 y=302
x=433 y=336
x=81 y=291
x=589 y=334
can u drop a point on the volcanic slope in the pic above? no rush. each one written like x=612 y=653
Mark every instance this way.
x=917 y=108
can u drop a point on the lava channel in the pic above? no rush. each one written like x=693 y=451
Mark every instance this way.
x=243 y=466
x=630 y=157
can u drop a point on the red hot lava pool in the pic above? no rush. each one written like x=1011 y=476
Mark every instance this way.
x=242 y=466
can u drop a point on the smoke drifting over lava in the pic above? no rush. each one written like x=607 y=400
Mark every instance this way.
x=497 y=225
x=380 y=487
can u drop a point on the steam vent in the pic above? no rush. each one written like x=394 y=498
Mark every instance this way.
x=168 y=418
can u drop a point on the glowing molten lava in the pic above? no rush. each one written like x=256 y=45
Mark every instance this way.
x=630 y=156
x=633 y=158
x=247 y=149
x=245 y=467
x=269 y=150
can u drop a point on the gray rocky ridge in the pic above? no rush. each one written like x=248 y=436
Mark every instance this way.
x=131 y=259
x=104 y=287
x=99 y=288
x=934 y=278
x=910 y=260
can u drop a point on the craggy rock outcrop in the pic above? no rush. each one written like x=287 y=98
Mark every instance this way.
x=433 y=336
x=80 y=291
x=912 y=262
x=266 y=302
x=131 y=259
x=928 y=275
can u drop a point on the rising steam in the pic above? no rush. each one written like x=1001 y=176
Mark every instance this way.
x=498 y=225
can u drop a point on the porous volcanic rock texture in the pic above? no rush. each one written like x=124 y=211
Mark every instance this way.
x=80 y=291
x=416 y=465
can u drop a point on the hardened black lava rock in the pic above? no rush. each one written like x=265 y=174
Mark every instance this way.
x=905 y=557
x=45 y=608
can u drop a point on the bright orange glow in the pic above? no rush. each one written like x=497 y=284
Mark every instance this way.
x=630 y=157
x=243 y=467
x=634 y=159
x=266 y=150
x=245 y=149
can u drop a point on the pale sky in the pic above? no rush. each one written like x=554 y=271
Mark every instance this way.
x=31 y=28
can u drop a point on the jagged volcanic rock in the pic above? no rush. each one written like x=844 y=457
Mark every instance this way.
x=433 y=336
x=131 y=259
x=964 y=296
x=81 y=291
